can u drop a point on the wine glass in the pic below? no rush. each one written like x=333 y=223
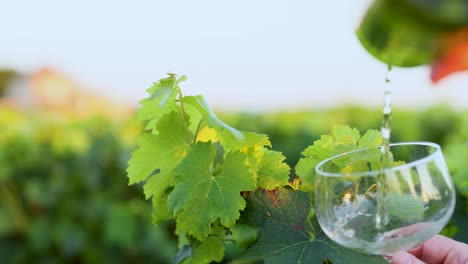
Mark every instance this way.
x=380 y=211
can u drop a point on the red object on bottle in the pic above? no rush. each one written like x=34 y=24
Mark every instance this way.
x=454 y=60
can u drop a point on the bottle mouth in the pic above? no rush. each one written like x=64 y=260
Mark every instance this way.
x=373 y=173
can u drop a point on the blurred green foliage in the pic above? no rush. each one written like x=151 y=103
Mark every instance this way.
x=64 y=194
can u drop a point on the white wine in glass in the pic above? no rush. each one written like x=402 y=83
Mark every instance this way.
x=381 y=211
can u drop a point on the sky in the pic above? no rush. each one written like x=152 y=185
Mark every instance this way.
x=257 y=55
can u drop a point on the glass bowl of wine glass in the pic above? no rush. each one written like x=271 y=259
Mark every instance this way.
x=381 y=210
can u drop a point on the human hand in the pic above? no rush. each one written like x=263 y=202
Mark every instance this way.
x=437 y=250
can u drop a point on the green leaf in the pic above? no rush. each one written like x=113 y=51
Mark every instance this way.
x=371 y=138
x=195 y=117
x=150 y=111
x=160 y=210
x=273 y=172
x=250 y=140
x=345 y=135
x=211 y=249
x=166 y=89
x=163 y=151
x=161 y=100
x=322 y=148
x=202 y=195
x=158 y=183
x=244 y=234
x=343 y=139
x=286 y=235
x=226 y=133
x=155 y=160
x=305 y=168
x=229 y=137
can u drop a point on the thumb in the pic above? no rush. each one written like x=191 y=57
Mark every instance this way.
x=403 y=257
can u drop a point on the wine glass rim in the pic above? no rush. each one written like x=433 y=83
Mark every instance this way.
x=377 y=172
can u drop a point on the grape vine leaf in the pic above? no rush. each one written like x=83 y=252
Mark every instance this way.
x=156 y=158
x=371 y=138
x=161 y=100
x=287 y=235
x=161 y=151
x=225 y=131
x=343 y=138
x=202 y=194
x=150 y=111
x=250 y=140
x=211 y=249
x=272 y=172
x=166 y=89
x=160 y=210
x=346 y=135
x=228 y=136
x=207 y=251
x=244 y=235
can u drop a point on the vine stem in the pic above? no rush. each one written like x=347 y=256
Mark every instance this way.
x=292 y=186
x=311 y=226
x=198 y=130
x=370 y=189
x=182 y=112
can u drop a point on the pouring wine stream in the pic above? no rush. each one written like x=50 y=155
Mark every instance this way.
x=381 y=217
